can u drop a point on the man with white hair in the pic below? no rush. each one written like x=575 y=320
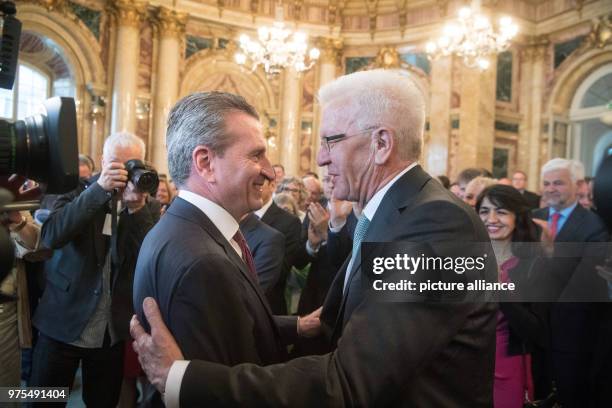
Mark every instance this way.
x=86 y=305
x=573 y=326
x=388 y=354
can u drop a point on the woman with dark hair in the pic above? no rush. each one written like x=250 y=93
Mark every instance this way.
x=521 y=326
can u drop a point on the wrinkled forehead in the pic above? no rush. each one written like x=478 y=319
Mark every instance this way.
x=337 y=115
x=556 y=174
x=124 y=153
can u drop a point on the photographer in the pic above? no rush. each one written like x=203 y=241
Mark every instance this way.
x=85 y=309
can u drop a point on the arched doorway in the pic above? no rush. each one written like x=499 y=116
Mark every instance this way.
x=215 y=70
x=590 y=137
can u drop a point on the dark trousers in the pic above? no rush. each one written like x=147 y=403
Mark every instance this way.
x=55 y=365
x=571 y=373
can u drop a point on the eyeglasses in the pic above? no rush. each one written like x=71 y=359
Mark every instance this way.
x=292 y=190
x=328 y=141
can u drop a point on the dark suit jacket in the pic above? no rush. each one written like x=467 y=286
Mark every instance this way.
x=289 y=226
x=74 y=274
x=212 y=306
x=268 y=248
x=417 y=354
x=574 y=325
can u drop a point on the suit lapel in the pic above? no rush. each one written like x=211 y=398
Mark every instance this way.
x=188 y=211
x=571 y=225
x=400 y=195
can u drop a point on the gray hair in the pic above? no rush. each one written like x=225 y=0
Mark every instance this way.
x=123 y=140
x=574 y=167
x=286 y=200
x=284 y=183
x=383 y=98
x=199 y=120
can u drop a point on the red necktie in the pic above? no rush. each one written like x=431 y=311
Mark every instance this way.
x=554 y=224
x=247 y=257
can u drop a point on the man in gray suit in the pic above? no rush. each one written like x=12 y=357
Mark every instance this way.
x=418 y=353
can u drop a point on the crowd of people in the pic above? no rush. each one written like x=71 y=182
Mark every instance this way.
x=247 y=283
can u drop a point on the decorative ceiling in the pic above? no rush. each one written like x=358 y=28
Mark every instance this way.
x=44 y=54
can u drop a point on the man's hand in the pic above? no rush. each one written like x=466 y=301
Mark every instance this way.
x=339 y=210
x=546 y=238
x=113 y=176
x=310 y=325
x=317 y=228
x=133 y=199
x=157 y=351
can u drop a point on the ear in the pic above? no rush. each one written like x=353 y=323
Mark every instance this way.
x=203 y=163
x=384 y=143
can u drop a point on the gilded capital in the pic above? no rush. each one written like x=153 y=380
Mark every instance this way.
x=387 y=58
x=535 y=48
x=128 y=12
x=170 y=23
x=331 y=50
x=53 y=5
x=601 y=33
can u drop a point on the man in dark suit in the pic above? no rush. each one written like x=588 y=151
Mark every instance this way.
x=519 y=181
x=418 y=353
x=195 y=262
x=268 y=248
x=573 y=324
x=289 y=226
x=86 y=304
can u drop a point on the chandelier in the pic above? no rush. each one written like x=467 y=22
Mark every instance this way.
x=472 y=37
x=277 y=47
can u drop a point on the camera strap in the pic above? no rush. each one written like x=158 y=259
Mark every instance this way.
x=114 y=232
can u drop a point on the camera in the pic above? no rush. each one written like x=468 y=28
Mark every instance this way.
x=144 y=179
x=42 y=147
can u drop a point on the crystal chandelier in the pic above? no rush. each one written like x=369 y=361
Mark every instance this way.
x=472 y=37
x=277 y=47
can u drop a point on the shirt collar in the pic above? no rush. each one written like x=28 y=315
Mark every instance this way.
x=262 y=211
x=224 y=222
x=565 y=213
x=374 y=203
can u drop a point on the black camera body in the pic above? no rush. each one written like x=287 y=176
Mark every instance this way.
x=144 y=179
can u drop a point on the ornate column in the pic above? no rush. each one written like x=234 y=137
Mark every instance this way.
x=170 y=26
x=477 y=117
x=531 y=92
x=290 y=121
x=331 y=53
x=436 y=151
x=96 y=130
x=128 y=15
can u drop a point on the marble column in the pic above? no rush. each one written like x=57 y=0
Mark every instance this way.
x=477 y=117
x=436 y=152
x=331 y=53
x=96 y=116
x=128 y=15
x=171 y=27
x=290 y=121
x=533 y=57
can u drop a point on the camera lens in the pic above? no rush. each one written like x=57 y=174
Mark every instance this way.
x=43 y=147
x=145 y=180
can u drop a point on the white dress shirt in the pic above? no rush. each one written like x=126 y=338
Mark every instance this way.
x=262 y=211
x=370 y=210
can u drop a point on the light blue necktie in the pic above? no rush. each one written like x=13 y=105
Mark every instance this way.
x=360 y=231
